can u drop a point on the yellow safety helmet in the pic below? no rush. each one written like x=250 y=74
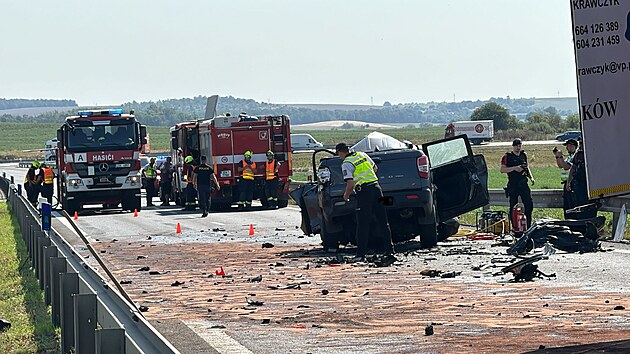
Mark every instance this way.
x=36 y=164
x=188 y=159
x=269 y=153
x=247 y=153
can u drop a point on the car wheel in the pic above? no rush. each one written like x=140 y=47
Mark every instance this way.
x=330 y=240
x=283 y=203
x=428 y=232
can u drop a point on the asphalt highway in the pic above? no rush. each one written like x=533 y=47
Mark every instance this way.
x=308 y=303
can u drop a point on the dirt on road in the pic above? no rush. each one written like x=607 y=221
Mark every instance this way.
x=295 y=299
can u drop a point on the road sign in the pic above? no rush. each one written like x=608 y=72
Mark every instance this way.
x=46 y=216
x=601 y=37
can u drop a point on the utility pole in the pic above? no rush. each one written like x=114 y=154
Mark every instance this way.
x=371 y=100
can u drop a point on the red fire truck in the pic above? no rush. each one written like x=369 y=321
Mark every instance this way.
x=223 y=140
x=98 y=160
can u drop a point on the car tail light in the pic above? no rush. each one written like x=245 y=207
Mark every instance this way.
x=423 y=166
x=413 y=196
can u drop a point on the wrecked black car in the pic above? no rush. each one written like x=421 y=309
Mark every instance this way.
x=423 y=190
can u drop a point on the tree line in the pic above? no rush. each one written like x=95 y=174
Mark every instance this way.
x=13 y=103
x=172 y=111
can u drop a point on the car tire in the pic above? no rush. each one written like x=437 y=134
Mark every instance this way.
x=283 y=203
x=329 y=240
x=428 y=232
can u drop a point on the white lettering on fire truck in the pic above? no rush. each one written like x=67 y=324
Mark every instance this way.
x=103 y=157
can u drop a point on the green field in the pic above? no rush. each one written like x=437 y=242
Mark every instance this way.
x=21 y=300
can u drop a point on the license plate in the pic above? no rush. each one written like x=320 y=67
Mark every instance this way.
x=104 y=179
x=226 y=173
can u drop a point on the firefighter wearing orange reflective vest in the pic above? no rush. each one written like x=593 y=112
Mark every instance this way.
x=48 y=182
x=271 y=180
x=31 y=184
x=246 y=186
x=191 y=192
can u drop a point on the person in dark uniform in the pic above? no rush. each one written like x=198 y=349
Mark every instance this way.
x=514 y=163
x=204 y=179
x=359 y=172
x=191 y=192
x=166 y=181
x=565 y=165
x=576 y=184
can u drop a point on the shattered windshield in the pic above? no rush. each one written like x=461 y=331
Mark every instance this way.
x=110 y=137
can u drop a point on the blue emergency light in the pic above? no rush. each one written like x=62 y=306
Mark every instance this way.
x=100 y=113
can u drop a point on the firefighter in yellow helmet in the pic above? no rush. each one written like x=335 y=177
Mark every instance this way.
x=31 y=184
x=191 y=192
x=246 y=186
x=271 y=180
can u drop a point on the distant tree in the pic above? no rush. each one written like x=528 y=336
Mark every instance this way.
x=387 y=104
x=571 y=122
x=497 y=113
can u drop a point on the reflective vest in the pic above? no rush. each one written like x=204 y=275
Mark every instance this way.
x=49 y=175
x=150 y=172
x=363 y=170
x=270 y=170
x=248 y=170
x=189 y=173
x=564 y=174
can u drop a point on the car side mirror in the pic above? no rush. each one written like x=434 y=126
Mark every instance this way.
x=143 y=134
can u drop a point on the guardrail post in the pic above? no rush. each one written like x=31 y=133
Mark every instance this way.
x=49 y=252
x=58 y=265
x=110 y=341
x=69 y=287
x=42 y=243
x=84 y=323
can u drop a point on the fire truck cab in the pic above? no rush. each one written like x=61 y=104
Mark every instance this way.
x=224 y=140
x=98 y=160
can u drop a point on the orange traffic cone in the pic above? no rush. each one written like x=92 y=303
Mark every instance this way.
x=76 y=215
x=179 y=229
x=251 y=229
x=220 y=272
x=135 y=213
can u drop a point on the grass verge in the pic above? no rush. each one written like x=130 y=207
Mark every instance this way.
x=21 y=300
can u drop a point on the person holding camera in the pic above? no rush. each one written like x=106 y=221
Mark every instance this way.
x=514 y=163
x=565 y=164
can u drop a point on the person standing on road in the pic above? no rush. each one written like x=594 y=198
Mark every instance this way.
x=565 y=164
x=514 y=163
x=191 y=192
x=271 y=180
x=47 y=185
x=246 y=186
x=149 y=172
x=577 y=184
x=359 y=172
x=30 y=182
x=204 y=180
x=166 y=181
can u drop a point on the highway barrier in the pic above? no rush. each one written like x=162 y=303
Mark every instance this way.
x=93 y=316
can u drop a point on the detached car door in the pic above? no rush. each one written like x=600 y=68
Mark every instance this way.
x=460 y=177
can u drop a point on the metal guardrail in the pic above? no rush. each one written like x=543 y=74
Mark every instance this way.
x=94 y=318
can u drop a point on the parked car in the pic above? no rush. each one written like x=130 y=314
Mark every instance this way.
x=304 y=142
x=423 y=191
x=573 y=134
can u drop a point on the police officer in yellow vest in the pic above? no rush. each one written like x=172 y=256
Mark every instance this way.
x=271 y=180
x=48 y=182
x=246 y=185
x=359 y=172
x=149 y=172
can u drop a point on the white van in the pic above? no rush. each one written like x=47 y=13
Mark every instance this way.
x=304 y=142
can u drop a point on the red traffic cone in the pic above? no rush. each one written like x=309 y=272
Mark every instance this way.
x=76 y=215
x=251 y=229
x=179 y=229
x=220 y=272
x=135 y=213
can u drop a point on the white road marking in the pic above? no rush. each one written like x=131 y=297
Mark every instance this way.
x=218 y=223
x=217 y=338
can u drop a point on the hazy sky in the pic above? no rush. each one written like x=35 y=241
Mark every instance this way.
x=286 y=51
